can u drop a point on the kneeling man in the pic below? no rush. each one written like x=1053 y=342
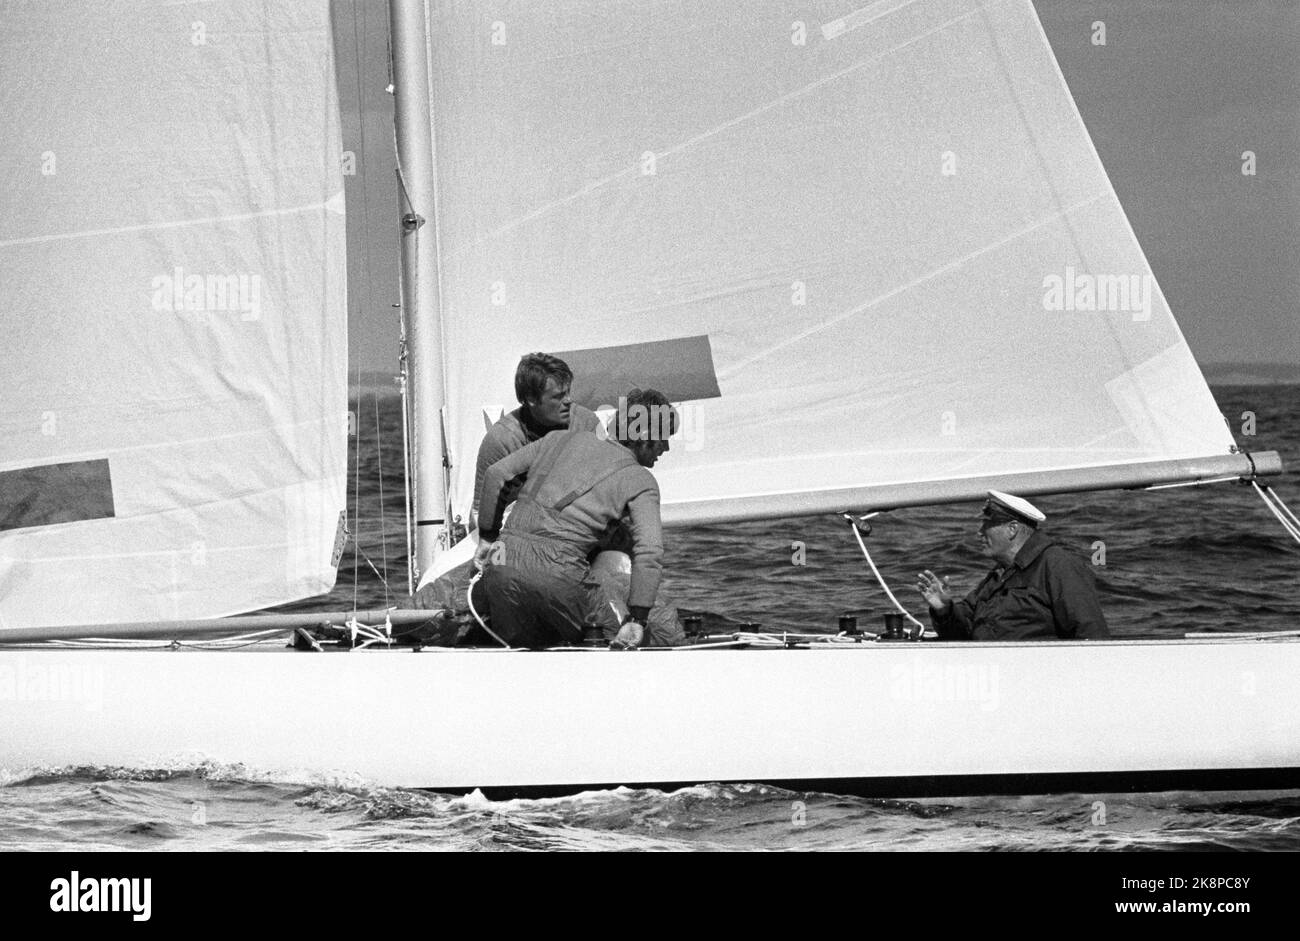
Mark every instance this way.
x=577 y=488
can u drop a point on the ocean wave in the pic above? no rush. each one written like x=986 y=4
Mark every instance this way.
x=181 y=768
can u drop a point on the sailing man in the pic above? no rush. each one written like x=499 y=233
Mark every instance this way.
x=1037 y=590
x=542 y=386
x=537 y=587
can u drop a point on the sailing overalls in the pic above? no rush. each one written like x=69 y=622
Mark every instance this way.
x=578 y=487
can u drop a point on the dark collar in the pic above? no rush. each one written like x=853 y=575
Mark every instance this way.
x=1031 y=550
x=532 y=428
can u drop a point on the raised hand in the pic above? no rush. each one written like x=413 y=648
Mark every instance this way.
x=934 y=590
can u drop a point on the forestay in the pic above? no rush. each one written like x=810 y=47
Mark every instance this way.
x=887 y=223
x=173 y=422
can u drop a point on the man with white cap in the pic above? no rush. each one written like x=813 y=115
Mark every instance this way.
x=1038 y=590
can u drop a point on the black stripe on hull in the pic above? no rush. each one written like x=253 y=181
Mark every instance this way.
x=1103 y=782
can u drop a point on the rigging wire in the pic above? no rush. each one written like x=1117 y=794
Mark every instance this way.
x=1285 y=508
x=406 y=455
x=1279 y=509
x=356 y=488
x=356 y=428
x=403 y=359
x=363 y=295
x=413 y=572
x=383 y=528
x=378 y=574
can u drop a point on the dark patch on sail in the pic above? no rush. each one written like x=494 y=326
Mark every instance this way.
x=55 y=493
x=681 y=369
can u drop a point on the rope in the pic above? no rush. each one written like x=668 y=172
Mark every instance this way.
x=875 y=571
x=1279 y=509
x=373 y=635
x=469 y=598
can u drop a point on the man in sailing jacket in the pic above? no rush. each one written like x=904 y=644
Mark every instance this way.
x=1038 y=590
x=577 y=487
x=542 y=385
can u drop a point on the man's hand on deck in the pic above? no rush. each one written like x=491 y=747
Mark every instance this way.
x=629 y=636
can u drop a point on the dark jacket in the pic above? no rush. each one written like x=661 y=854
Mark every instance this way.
x=1046 y=592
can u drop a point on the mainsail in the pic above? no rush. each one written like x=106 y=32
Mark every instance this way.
x=173 y=428
x=886 y=225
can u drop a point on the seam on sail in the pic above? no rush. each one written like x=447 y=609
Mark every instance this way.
x=704 y=135
x=1123 y=455
x=179 y=442
x=1102 y=437
x=150 y=226
x=152 y=553
x=863 y=17
x=916 y=282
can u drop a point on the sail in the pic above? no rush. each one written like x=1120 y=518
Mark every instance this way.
x=885 y=222
x=173 y=428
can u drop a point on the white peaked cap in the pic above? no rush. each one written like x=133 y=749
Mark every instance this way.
x=1017 y=507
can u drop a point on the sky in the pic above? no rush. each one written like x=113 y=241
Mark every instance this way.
x=1180 y=90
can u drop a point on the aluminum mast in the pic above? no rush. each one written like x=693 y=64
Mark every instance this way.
x=420 y=294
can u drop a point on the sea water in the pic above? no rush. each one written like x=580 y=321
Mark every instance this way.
x=1167 y=562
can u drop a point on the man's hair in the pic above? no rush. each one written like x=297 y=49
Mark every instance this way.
x=534 y=369
x=643 y=415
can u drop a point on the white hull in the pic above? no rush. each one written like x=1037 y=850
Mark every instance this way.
x=465 y=719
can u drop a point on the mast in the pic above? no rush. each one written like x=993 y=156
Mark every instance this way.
x=420 y=294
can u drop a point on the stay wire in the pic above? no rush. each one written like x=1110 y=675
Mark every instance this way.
x=383 y=527
x=357 y=40
x=1266 y=494
x=1284 y=507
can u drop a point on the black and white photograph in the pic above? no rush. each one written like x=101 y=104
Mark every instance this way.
x=650 y=425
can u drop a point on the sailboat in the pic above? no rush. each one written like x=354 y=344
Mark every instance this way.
x=873 y=254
